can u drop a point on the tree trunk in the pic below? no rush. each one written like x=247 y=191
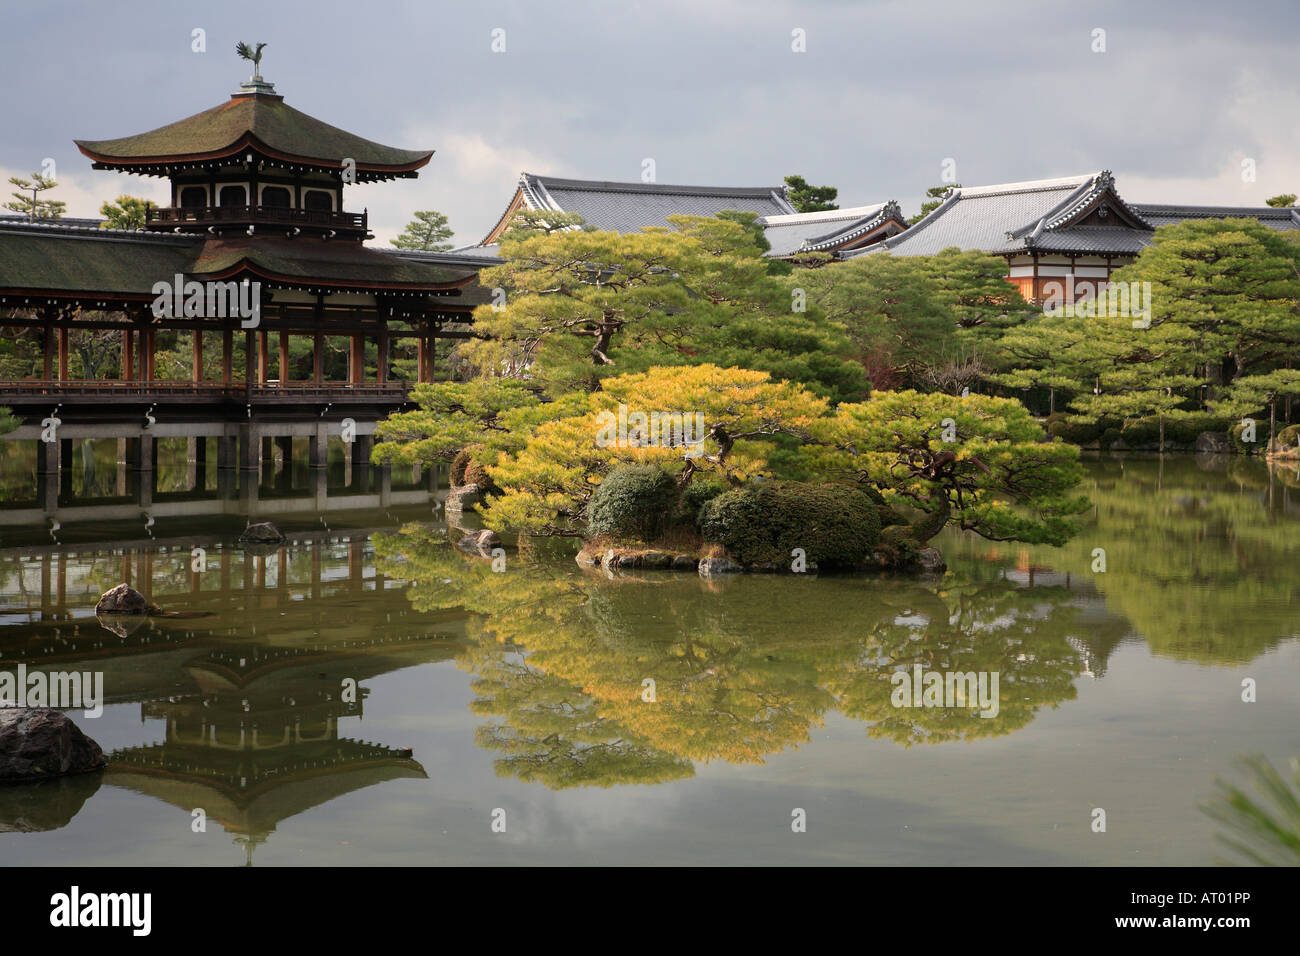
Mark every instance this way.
x=931 y=523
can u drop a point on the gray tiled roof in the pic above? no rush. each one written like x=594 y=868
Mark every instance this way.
x=629 y=207
x=811 y=231
x=982 y=217
x=1095 y=240
x=1284 y=219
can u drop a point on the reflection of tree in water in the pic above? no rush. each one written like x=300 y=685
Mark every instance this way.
x=552 y=732
x=1202 y=563
x=741 y=669
x=1021 y=634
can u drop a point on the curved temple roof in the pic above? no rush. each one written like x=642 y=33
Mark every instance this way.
x=262 y=121
x=630 y=207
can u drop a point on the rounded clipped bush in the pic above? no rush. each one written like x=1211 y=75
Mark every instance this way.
x=695 y=496
x=633 y=502
x=1287 y=439
x=1248 y=447
x=1185 y=431
x=1060 y=426
x=835 y=525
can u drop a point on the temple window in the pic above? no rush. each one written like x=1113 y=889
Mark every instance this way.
x=318 y=200
x=234 y=196
x=276 y=197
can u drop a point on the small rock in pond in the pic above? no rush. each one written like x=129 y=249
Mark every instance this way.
x=124 y=599
x=261 y=533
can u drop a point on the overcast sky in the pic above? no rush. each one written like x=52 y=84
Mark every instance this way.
x=711 y=90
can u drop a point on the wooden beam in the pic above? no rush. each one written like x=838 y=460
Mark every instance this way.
x=63 y=354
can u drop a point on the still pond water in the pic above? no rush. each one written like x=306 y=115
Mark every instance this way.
x=521 y=695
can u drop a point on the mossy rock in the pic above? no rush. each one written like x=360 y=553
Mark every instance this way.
x=836 y=526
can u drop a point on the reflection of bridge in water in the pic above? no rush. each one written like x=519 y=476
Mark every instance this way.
x=96 y=473
x=254 y=680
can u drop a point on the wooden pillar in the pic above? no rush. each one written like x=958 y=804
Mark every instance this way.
x=356 y=368
x=381 y=362
x=318 y=357
x=284 y=357
x=421 y=357
x=250 y=356
x=227 y=356
x=150 y=354
x=47 y=346
x=128 y=355
x=63 y=354
x=197 y=350
x=261 y=358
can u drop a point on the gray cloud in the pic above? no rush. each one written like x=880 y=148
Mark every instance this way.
x=710 y=91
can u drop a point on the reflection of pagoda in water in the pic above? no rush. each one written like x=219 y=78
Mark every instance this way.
x=261 y=741
x=250 y=683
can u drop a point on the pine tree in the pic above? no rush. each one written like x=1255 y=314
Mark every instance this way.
x=33 y=206
x=427 y=232
x=807 y=198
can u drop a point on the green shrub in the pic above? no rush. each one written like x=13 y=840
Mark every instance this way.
x=1248 y=447
x=1185 y=431
x=762 y=523
x=1287 y=439
x=1142 y=432
x=694 y=497
x=1060 y=426
x=898 y=547
x=633 y=502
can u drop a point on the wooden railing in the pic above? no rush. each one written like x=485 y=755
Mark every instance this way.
x=240 y=215
x=210 y=391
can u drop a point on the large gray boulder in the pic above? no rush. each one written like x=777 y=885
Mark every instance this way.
x=37 y=743
x=714 y=567
x=124 y=599
x=463 y=498
x=1213 y=443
